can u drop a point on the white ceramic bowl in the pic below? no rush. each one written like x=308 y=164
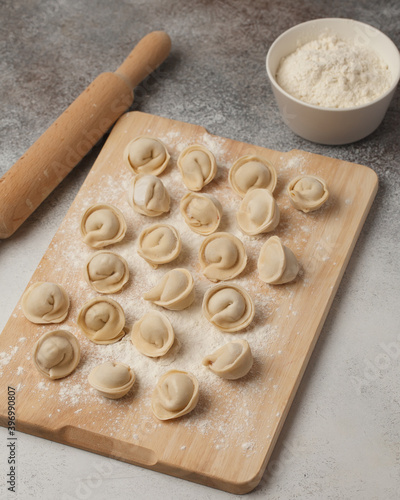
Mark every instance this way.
x=332 y=125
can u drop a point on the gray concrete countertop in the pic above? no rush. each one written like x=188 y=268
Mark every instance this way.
x=341 y=438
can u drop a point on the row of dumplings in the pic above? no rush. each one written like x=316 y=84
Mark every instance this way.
x=228 y=307
x=222 y=257
x=104 y=224
x=176 y=393
x=149 y=156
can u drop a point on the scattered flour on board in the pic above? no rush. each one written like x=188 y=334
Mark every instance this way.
x=6 y=357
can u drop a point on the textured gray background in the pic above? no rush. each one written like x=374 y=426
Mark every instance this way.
x=341 y=438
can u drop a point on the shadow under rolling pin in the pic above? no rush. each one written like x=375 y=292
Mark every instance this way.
x=47 y=162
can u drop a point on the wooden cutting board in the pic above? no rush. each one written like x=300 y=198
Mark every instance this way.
x=227 y=440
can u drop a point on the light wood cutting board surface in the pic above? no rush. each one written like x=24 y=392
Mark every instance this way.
x=227 y=440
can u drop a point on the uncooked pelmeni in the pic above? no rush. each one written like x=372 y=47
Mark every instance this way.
x=251 y=172
x=228 y=307
x=308 y=192
x=102 y=225
x=222 y=256
x=56 y=354
x=147 y=195
x=176 y=394
x=159 y=244
x=112 y=379
x=175 y=290
x=102 y=320
x=198 y=167
x=277 y=264
x=258 y=212
x=106 y=272
x=146 y=155
x=231 y=361
x=201 y=212
x=153 y=334
x=44 y=303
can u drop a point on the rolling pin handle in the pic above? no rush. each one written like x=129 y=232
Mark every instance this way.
x=148 y=54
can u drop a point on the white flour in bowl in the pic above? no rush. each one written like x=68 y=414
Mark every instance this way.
x=334 y=73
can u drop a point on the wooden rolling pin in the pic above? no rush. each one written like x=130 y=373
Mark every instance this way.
x=34 y=176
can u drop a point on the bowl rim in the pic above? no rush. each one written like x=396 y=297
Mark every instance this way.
x=273 y=81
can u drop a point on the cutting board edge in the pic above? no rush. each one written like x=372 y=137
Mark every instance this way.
x=119 y=123
x=67 y=435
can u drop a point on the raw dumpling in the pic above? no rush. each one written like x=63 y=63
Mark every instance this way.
x=277 y=264
x=45 y=303
x=147 y=195
x=102 y=320
x=112 y=379
x=201 y=212
x=175 y=290
x=258 y=212
x=102 y=225
x=176 y=394
x=146 y=155
x=159 y=244
x=106 y=272
x=251 y=172
x=153 y=334
x=198 y=167
x=228 y=307
x=231 y=361
x=222 y=256
x=56 y=354
x=308 y=192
